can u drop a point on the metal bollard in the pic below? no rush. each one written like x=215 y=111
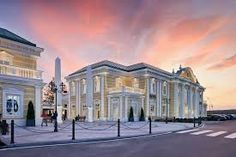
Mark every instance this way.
x=150 y=125
x=194 y=121
x=166 y=120
x=174 y=119
x=12 y=132
x=73 y=129
x=118 y=127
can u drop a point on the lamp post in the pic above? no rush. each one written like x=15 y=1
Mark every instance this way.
x=55 y=90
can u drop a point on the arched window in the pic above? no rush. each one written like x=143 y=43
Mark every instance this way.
x=153 y=86
x=165 y=88
x=84 y=86
x=96 y=83
x=72 y=88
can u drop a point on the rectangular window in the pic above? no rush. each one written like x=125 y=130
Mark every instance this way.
x=96 y=83
x=13 y=105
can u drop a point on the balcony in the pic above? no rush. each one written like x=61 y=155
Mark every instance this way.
x=20 y=72
x=126 y=89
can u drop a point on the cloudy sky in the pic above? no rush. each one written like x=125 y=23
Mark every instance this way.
x=165 y=33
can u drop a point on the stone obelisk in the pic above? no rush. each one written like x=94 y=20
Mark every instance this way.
x=58 y=82
x=89 y=94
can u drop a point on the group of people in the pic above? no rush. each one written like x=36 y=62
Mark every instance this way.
x=48 y=117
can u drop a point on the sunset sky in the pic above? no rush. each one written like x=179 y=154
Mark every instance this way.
x=165 y=33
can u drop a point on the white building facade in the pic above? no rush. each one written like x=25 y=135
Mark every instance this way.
x=20 y=81
x=116 y=88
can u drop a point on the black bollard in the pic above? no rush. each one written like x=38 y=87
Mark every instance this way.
x=12 y=132
x=174 y=119
x=118 y=127
x=150 y=125
x=73 y=129
x=166 y=120
x=194 y=120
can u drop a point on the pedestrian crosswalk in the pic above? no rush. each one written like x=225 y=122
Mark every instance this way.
x=209 y=133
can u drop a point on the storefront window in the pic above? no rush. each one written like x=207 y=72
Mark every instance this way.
x=13 y=105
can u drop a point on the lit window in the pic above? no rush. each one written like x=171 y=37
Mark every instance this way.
x=5 y=58
x=72 y=88
x=135 y=83
x=96 y=84
x=164 y=88
x=84 y=86
x=118 y=82
x=153 y=86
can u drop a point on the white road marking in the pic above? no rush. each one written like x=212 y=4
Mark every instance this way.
x=232 y=136
x=216 y=133
x=187 y=131
x=201 y=132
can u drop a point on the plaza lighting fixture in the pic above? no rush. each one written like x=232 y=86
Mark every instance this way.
x=53 y=87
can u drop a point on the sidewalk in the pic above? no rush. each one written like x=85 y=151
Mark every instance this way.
x=88 y=131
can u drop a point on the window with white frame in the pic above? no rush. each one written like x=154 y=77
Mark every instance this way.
x=72 y=88
x=13 y=103
x=84 y=86
x=153 y=86
x=5 y=58
x=118 y=82
x=97 y=85
x=165 y=88
x=135 y=83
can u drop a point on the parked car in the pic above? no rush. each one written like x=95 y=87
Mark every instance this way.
x=216 y=117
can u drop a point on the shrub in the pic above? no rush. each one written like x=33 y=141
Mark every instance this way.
x=30 y=121
x=142 y=118
x=131 y=114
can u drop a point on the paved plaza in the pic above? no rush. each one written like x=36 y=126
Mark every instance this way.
x=89 y=131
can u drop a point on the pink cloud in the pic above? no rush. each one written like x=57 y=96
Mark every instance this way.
x=226 y=63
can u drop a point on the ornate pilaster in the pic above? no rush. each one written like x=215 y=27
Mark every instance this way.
x=160 y=97
x=38 y=95
x=147 y=97
x=121 y=103
x=109 y=108
x=126 y=108
x=102 y=96
x=182 y=101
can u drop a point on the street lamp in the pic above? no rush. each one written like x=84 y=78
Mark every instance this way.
x=53 y=87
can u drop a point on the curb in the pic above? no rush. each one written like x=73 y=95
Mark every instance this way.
x=87 y=141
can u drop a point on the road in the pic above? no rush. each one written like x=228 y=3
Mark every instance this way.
x=213 y=140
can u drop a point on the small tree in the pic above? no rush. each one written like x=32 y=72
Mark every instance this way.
x=131 y=114
x=30 y=121
x=141 y=118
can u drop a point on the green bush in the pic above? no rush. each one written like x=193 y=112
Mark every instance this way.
x=30 y=121
x=131 y=114
x=142 y=118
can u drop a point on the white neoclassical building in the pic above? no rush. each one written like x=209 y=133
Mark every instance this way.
x=112 y=89
x=20 y=81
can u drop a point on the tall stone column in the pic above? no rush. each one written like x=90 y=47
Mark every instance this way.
x=126 y=108
x=121 y=112
x=160 y=98
x=109 y=108
x=176 y=107
x=89 y=93
x=182 y=102
x=147 y=97
x=102 y=96
x=58 y=82
x=196 y=103
x=157 y=99
x=38 y=96
x=190 y=106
